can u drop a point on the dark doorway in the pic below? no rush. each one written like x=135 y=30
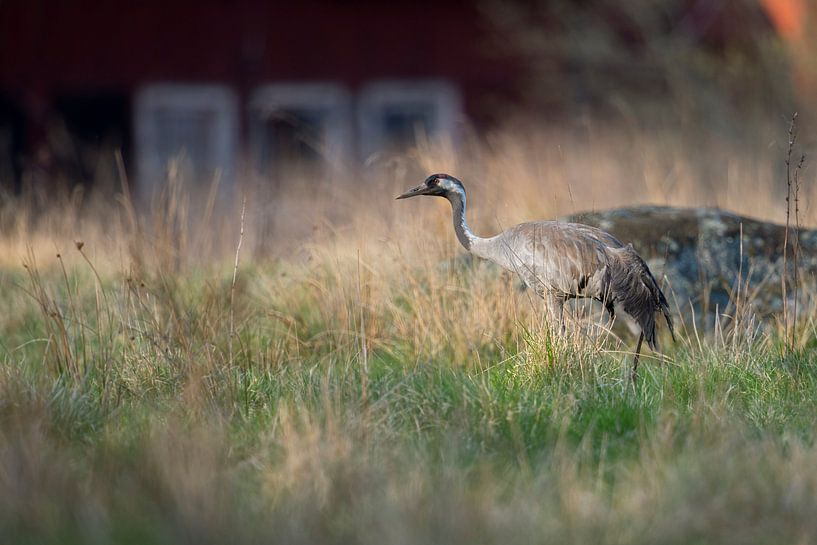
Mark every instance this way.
x=12 y=145
x=90 y=129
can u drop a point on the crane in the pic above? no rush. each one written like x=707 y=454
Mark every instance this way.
x=562 y=261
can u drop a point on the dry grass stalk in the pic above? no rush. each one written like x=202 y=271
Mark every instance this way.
x=792 y=194
x=235 y=276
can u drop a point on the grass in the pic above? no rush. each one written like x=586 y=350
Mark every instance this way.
x=375 y=391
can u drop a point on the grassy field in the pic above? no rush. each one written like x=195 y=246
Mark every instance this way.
x=339 y=379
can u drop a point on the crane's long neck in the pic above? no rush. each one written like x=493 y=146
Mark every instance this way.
x=464 y=234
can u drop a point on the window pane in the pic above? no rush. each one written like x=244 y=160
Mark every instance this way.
x=299 y=128
x=195 y=124
x=292 y=138
x=392 y=114
x=402 y=123
x=186 y=135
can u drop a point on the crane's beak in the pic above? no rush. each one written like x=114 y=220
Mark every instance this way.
x=414 y=191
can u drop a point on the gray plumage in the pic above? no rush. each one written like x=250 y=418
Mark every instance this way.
x=562 y=261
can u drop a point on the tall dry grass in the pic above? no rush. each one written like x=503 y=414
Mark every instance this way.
x=350 y=382
x=511 y=175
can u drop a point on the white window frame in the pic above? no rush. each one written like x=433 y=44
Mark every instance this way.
x=333 y=98
x=376 y=96
x=219 y=100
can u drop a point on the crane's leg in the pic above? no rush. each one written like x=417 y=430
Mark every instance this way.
x=556 y=312
x=634 y=374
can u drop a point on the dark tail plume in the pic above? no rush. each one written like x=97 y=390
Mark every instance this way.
x=635 y=287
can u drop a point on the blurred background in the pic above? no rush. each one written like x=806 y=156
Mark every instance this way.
x=254 y=92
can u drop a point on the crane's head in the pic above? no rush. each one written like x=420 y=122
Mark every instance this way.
x=436 y=185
